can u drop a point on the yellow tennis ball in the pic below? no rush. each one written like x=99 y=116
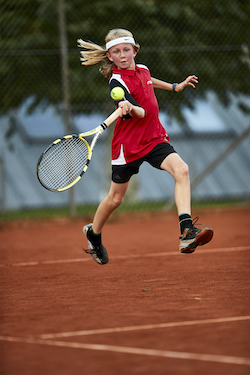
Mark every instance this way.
x=117 y=93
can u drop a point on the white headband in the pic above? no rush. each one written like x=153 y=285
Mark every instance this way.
x=124 y=39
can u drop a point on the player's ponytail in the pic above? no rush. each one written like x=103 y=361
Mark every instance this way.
x=93 y=54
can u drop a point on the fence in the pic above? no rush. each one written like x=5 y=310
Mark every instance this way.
x=47 y=93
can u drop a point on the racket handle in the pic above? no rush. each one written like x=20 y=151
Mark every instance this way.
x=114 y=116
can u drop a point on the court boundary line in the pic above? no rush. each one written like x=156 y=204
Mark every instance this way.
x=132 y=350
x=142 y=327
x=149 y=255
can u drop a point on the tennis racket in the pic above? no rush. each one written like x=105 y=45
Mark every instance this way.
x=65 y=161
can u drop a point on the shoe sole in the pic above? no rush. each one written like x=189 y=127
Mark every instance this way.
x=201 y=239
x=94 y=256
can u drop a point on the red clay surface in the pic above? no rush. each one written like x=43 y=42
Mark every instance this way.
x=164 y=312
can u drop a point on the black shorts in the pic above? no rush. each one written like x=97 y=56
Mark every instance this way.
x=122 y=173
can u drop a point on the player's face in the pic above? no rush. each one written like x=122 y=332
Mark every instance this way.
x=122 y=55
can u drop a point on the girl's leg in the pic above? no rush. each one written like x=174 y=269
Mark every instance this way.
x=191 y=236
x=179 y=170
x=93 y=231
x=109 y=204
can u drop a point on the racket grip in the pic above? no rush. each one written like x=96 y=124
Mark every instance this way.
x=114 y=116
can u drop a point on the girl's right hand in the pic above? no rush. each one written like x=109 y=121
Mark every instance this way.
x=126 y=107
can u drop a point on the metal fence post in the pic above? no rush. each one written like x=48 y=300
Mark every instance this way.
x=65 y=86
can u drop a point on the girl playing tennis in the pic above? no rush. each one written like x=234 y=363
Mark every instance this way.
x=138 y=137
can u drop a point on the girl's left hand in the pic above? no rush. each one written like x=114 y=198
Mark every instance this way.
x=189 y=81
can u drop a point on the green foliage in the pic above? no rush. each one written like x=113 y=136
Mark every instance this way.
x=206 y=38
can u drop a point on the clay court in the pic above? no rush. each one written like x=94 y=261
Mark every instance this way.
x=150 y=310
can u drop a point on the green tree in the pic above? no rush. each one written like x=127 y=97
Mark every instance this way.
x=206 y=38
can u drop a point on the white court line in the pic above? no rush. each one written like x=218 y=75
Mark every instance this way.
x=131 y=350
x=38 y=263
x=150 y=255
x=143 y=327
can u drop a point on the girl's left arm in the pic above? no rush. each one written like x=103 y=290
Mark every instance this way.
x=189 y=81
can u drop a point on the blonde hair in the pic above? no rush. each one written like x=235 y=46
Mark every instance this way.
x=94 y=54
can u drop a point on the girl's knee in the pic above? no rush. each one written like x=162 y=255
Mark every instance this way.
x=115 y=200
x=182 y=171
x=116 y=194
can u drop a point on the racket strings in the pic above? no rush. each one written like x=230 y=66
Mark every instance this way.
x=63 y=163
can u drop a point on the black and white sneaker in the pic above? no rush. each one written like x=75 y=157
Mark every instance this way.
x=193 y=237
x=96 y=250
